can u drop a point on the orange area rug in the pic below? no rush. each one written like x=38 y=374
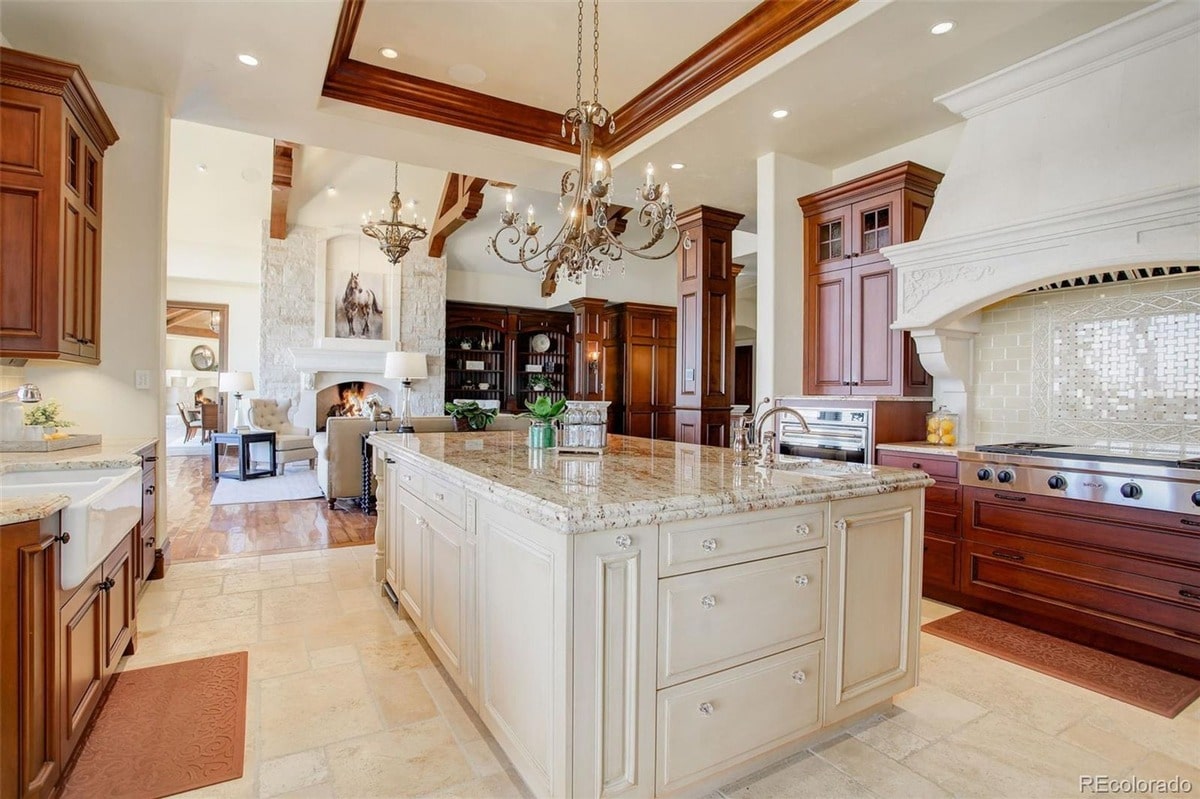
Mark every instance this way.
x=165 y=730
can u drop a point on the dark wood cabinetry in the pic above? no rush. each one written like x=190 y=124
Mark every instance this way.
x=639 y=369
x=51 y=188
x=943 y=511
x=30 y=763
x=147 y=538
x=506 y=341
x=850 y=288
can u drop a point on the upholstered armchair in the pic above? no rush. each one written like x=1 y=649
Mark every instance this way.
x=292 y=443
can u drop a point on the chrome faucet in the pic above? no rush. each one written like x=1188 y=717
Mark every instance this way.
x=26 y=392
x=765 y=439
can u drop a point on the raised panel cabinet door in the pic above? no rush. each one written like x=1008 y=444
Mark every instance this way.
x=119 y=626
x=444 y=609
x=88 y=295
x=70 y=276
x=874 y=600
x=414 y=538
x=81 y=659
x=389 y=508
x=616 y=598
x=875 y=355
x=148 y=541
x=827 y=333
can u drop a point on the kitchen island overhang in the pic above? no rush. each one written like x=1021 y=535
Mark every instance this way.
x=656 y=620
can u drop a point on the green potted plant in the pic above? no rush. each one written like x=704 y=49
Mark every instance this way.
x=469 y=416
x=540 y=382
x=543 y=412
x=45 y=418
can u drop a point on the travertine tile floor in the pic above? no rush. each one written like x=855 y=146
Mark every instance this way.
x=345 y=701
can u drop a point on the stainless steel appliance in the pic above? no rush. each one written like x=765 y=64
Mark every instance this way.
x=835 y=434
x=1131 y=478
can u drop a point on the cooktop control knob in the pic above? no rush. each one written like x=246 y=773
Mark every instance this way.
x=1196 y=499
x=1005 y=476
x=1131 y=491
x=986 y=474
x=1057 y=482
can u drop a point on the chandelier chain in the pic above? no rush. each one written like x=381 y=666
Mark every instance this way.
x=596 y=51
x=579 y=58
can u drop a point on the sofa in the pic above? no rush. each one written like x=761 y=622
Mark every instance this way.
x=339 y=448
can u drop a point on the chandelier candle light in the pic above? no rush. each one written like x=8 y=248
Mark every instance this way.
x=394 y=235
x=585 y=244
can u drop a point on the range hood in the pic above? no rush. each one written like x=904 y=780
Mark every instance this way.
x=1080 y=160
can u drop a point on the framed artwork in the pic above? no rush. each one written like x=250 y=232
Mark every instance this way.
x=358 y=305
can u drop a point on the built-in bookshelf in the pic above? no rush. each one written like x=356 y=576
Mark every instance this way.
x=500 y=353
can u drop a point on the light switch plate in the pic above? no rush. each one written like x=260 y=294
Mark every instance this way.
x=141 y=378
x=689 y=374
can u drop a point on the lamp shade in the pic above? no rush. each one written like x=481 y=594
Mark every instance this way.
x=405 y=366
x=235 y=382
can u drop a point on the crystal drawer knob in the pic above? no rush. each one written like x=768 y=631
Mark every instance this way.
x=624 y=541
x=439 y=497
x=802 y=580
x=706 y=709
x=708 y=544
x=707 y=601
x=802 y=530
x=406 y=478
x=799 y=676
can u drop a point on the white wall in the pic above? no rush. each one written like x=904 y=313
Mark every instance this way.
x=102 y=399
x=643 y=281
x=243 y=320
x=934 y=151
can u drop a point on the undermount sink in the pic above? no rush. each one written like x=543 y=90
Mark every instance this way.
x=105 y=504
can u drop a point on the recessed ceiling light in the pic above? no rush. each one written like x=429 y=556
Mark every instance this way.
x=944 y=26
x=779 y=113
x=201 y=167
x=248 y=59
x=677 y=165
x=388 y=52
x=331 y=190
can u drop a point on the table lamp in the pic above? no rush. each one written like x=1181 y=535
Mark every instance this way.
x=236 y=382
x=407 y=367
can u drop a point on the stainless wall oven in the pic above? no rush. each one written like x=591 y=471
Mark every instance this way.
x=834 y=434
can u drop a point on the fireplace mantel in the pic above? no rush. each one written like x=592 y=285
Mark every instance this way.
x=343 y=355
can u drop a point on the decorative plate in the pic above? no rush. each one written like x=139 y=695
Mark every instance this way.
x=540 y=343
x=203 y=358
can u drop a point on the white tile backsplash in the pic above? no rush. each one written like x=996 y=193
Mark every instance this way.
x=1106 y=363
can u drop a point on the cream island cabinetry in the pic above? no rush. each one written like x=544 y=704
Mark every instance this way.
x=655 y=621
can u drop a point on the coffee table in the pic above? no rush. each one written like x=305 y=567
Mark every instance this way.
x=243 y=440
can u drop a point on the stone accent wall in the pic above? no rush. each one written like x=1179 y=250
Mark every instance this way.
x=289 y=271
x=423 y=324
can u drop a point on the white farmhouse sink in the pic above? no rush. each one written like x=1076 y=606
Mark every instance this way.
x=105 y=505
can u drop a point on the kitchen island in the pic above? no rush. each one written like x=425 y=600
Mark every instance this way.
x=655 y=620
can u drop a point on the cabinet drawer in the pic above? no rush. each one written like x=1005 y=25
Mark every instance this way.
x=408 y=476
x=943 y=524
x=944 y=494
x=937 y=466
x=704 y=544
x=446 y=499
x=712 y=723
x=716 y=619
x=941 y=563
x=149 y=497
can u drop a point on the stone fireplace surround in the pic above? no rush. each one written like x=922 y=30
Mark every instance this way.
x=336 y=361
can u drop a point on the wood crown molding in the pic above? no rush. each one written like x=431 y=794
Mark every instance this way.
x=904 y=175
x=282 y=170
x=51 y=76
x=764 y=31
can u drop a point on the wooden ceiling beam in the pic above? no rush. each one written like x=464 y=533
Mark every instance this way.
x=462 y=197
x=282 y=176
x=194 y=332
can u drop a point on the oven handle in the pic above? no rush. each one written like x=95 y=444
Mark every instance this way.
x=818 y=433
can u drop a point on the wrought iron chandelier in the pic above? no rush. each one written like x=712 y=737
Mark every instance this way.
x=586 y=243
x=394 y=235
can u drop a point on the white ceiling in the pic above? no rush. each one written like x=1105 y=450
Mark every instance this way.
x=535 y=62
x=851 y=93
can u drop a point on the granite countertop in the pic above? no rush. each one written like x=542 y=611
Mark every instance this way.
x=637 y=481
x=115 y=452
x=922 y=448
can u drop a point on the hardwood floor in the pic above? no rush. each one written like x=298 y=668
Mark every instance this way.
x=200 y=531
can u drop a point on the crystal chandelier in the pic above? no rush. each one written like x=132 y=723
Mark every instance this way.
x=586 y=243
x=394 y=235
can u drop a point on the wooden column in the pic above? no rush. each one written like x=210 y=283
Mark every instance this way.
x=704 y=354
x=588 y=343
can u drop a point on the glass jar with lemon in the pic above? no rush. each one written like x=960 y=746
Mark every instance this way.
x=941 y=427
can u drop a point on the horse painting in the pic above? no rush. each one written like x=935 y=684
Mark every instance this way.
x=360 y=306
